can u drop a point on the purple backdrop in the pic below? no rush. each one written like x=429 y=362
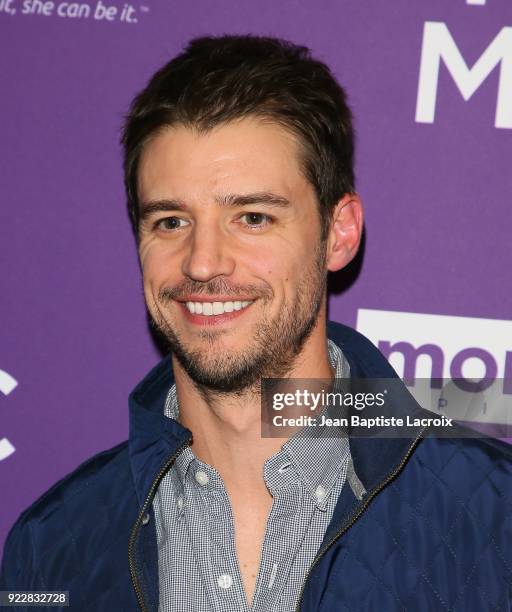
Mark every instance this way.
x=438 y=194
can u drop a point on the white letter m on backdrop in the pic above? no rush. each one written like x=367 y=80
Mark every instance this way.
x=438 y=43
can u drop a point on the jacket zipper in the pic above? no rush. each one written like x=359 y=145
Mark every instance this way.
x=358 y=513
x=135 y=528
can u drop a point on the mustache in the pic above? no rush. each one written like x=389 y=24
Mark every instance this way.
x=215 y=287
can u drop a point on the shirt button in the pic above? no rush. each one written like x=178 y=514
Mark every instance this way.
x=179 y=503
x=224 y=581
x=145 y=519
x=320 y=493
x=284 y=467
x=202 y=478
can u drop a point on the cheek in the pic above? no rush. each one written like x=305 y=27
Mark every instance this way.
x=157 y=264
x=266 y=264
x=280 y=267
x=283 y=261
x=283 y=251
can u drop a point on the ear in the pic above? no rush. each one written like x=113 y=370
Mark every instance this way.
x=345 y=232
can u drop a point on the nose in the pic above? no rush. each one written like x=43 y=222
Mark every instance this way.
x=208 y=254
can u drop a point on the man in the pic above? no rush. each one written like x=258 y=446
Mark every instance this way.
x=238 y=170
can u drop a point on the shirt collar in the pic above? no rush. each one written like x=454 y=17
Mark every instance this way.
x=187 y=456
x=317 y=461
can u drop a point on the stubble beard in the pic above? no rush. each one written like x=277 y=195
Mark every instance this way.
x=271 y=354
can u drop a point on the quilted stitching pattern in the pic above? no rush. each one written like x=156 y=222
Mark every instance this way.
x=437 y=538
x=79 y=533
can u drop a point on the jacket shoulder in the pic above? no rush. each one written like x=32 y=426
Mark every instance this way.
x=473 y=473
x=437 y=532
x=63 y=514
x=88 y=473
x=474 y=448
x=362 y=354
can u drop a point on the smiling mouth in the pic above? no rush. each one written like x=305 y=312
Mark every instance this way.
x=210 y=309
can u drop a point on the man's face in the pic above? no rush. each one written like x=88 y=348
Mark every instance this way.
x=230 y=226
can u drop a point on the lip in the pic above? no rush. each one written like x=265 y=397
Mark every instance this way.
x=215 y=298
x=200 y=319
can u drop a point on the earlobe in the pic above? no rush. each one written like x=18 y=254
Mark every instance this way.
x=345 y=232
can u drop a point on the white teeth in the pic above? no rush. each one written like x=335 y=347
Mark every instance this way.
x=216 y=308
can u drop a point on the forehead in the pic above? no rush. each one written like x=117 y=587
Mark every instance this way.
x=241 y=156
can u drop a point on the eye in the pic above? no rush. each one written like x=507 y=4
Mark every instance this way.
x=169 y=223
x=256 y=219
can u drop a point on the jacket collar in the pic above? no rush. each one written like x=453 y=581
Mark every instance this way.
x=154 y=437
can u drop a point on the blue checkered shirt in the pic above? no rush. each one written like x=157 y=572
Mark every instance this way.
x=198 y=566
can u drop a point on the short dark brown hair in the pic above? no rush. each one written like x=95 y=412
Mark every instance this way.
x=219 y=79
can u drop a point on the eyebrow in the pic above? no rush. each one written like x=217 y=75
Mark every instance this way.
x=230 y=200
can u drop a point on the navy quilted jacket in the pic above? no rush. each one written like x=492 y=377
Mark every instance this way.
x=432 y=533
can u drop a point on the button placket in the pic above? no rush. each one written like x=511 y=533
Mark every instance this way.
x=287 y=505
x=221 y=548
